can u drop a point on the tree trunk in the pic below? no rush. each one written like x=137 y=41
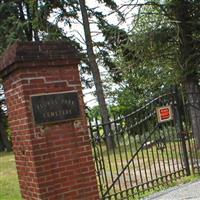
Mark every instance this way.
x=5 y=141
x=96 y=76
x=2 y=147
x=4 y=137
x=6 y=144
x=188 y=64
x=193 y=95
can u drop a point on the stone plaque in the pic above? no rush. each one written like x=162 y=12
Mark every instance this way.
x=55 y=107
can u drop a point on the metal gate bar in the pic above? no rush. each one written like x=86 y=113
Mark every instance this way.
x=146 y=153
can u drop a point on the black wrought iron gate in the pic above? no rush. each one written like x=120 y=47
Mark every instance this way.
x=146 y=153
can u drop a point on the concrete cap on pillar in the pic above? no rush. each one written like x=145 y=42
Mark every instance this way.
x=37 y=52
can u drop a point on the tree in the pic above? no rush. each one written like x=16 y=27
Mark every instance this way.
x=166 y=35
x=30 y=21
x=140 y=85
x=187 y=14
x=96 y=76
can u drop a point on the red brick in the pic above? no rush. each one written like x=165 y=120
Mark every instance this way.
x=54 y=161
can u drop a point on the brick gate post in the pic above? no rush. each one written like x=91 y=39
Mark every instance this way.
x=46 y=115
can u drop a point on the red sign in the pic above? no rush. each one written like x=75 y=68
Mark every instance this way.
x=164 y=113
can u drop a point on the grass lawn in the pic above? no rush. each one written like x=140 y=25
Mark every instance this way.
x=9 y=186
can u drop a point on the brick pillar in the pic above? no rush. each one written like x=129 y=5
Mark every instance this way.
x=53 y=157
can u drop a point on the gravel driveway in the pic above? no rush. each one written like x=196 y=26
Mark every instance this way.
x=186 y=191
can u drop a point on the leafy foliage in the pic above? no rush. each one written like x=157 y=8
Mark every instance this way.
x=30 y=20
x=160 y=50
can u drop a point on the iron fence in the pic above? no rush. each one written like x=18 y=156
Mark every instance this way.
x=146 y=153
